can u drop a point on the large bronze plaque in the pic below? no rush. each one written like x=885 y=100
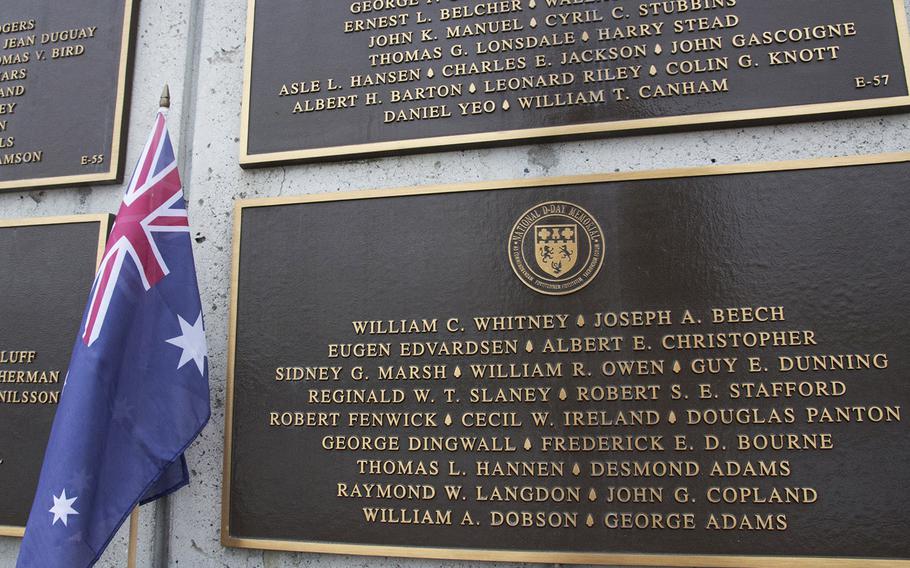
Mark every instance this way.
x=693 y=367
x=46 y=270
x=328 y=79
x=64 y=73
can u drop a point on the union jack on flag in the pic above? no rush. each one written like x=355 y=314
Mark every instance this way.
x=153 y=203
x=136 y=392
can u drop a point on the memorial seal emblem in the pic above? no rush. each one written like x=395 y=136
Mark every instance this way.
x=556 y=248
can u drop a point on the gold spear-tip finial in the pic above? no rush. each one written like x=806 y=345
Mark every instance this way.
x=165 y=97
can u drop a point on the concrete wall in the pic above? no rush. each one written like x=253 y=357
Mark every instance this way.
x=197 y=47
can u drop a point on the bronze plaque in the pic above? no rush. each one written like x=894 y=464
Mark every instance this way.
x=329 y=80
x=48 y=265
x=694 y=367
x=64 y=73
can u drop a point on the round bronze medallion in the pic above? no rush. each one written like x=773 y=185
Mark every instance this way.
x=556 y=248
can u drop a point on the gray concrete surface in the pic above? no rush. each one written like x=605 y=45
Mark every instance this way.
x=198 y=48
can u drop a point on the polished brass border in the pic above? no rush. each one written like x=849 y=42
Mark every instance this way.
x=517 y=555
x=114 y=173
x=104 y=222
x=530 y=135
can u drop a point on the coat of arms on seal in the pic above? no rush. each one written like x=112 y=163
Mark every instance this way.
x=556 y=248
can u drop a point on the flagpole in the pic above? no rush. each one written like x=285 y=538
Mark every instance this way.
x=164 y=102
x=134 y=538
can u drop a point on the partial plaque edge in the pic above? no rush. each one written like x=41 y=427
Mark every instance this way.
x=104 y=221
x=114 y=174
x=565 y=132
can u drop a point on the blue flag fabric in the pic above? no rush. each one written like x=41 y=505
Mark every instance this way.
x=136 y=393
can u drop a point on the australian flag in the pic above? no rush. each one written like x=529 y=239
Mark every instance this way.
x=136 y=393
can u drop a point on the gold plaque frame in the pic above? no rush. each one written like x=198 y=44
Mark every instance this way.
x=532 y=135
x=104 y=222
x=121 y=107
x=628 y=559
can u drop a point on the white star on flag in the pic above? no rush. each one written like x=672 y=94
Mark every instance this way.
x=62 y=508
x=192 y=341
